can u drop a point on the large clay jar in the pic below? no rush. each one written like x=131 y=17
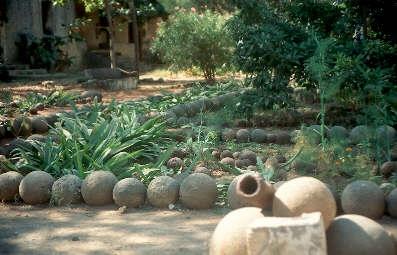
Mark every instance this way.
x=250 y=190
x=229 y=237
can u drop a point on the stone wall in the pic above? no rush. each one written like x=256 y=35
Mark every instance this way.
x=24 y=16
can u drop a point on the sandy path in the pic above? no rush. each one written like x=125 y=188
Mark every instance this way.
x=87 y=230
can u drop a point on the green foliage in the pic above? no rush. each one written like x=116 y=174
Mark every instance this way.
x=270 y=50
x=191 y=40
x=278 y=45
x=43 y=53
x=197 y=91
x=111 y=140
x=338 y=159
x=54 y=98
x=201 y=5
x=146 y=9
x=6 y=95
x=327 y=84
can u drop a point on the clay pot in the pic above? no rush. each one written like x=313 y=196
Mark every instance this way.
x=250 y=190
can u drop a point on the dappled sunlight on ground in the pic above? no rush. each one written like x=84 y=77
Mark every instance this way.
x=87 y=230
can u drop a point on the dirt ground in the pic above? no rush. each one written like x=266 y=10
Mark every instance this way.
x=87 y=230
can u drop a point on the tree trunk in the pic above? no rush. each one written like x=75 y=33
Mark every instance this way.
x=108 y=9
x=135 y=35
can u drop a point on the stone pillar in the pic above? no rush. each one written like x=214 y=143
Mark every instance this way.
x=303 y=235
x=24 y=16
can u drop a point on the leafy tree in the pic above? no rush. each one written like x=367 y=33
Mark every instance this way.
x=270 y=50
x=192 y=40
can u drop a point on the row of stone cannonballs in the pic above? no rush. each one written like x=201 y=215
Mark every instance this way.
x=356 y=135
x=356 y=232
x=196 y=191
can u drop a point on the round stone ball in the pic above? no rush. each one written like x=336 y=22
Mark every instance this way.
x=226 y=154
x=388 y=168
x=67 y=190
x=22 y=126
x=338 y=133
x=243 y=136
x=198 y=191
x=179 y=110
x=183 y=121
x=228 y=161
x=363 y=198
x=228 y=237
x=236 y=155
x=163 y=191
x=283 y=138
x=314 y=134
x=216 y=154
x=304 y=195
x=51 y=119
x=248 y=155
x=203 y=170
x=242 y=163
x=228 y=135
x=170 y=117
x=386 y=133
x=271 y=138
x=391 y=203
x=35 y=187
x=9 y=185
x=360 y=134
x=39 y=125
x=358 y=235
x=302 y=166
x=129 y=192
x=175 y=163
x=258 y=136
x=97 y=188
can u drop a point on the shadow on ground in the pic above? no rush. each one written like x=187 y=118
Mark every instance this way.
x=85 y=230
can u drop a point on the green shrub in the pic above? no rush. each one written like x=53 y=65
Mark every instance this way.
x=191 y=40
x=111 y=139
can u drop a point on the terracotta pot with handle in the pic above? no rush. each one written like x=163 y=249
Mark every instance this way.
x=250 y=190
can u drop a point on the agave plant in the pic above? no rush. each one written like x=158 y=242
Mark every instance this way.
x=100 y=141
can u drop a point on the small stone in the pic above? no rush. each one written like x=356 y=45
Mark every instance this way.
x=283 y=138
x=248 y=155
x=228 y=161
x=243 y=136
x=259 y=136
x=228 y=135
x=123 y=210
x=175 y=163
x=226 y=154
x=75 y=238
x=216 y=154
x=203 y=170
x=236 y=155
x=388 y=168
